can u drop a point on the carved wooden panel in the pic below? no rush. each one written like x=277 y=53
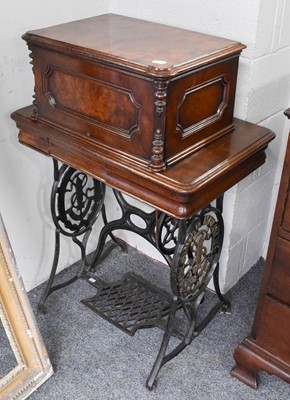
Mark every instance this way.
x=202 y=105
x=95 y=101
x=85 y=97
x=200 y=108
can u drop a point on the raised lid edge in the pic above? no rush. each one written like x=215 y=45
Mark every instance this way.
x=33 y=38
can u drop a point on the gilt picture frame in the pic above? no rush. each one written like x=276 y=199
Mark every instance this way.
x=33 y=366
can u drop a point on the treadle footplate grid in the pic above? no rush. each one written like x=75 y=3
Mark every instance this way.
x=131 y=303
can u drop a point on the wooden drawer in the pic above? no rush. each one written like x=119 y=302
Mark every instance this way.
x=286 y=215
x=279 y=284
x=273 y=332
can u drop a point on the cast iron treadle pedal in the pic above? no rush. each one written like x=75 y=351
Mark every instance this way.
x=131 y=303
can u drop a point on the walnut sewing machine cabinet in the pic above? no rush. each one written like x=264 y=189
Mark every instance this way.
x=146 y=109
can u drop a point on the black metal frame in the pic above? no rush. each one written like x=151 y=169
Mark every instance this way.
x=76 y=203
x=190 y=247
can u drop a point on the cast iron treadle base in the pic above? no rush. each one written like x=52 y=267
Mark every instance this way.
x=130 y=304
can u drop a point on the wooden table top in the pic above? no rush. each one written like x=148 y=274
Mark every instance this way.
x=180 y=190
x=148 y=47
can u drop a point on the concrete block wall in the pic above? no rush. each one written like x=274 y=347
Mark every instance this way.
x=26 y=176
x=262 y=95
x=267 y=95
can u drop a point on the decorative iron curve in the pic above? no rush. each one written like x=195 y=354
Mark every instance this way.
x=167 y=234
x=76 y=201
x=199 y=254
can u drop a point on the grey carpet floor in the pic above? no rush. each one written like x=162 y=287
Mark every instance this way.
x=94 y=360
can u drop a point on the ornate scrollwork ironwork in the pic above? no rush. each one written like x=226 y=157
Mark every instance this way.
x=199 y=254
x=191 y=248
x=76 y=201
x=167 y=234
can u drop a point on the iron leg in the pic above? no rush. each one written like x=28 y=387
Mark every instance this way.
x=47 y=289
x=76 y=202
x=151 y=381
